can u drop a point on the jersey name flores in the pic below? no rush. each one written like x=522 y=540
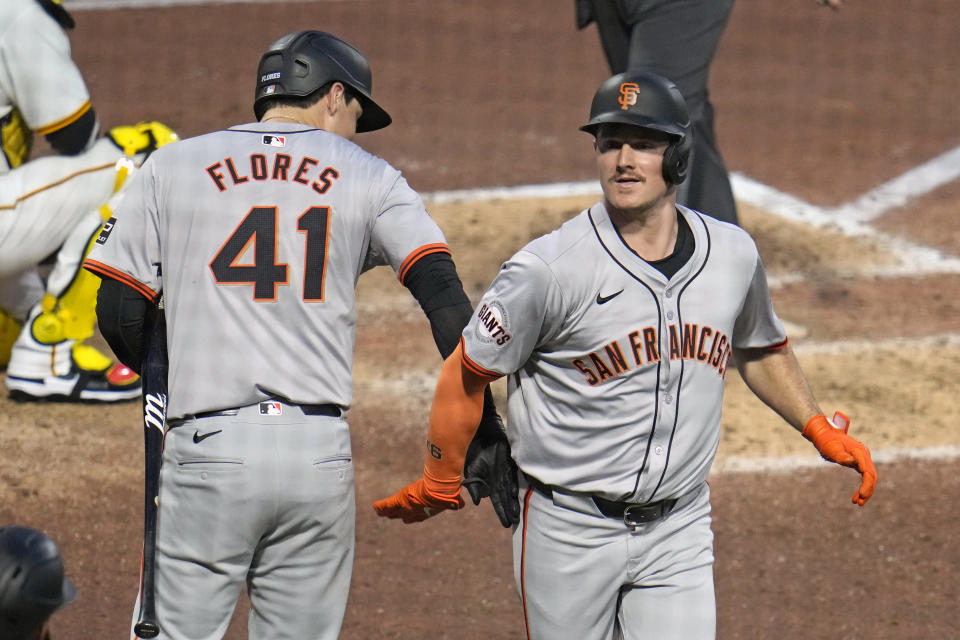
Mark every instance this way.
x=266 y=229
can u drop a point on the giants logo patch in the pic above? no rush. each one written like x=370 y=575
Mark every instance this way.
x=105 y=230
x=493 y=323
x=628 y=94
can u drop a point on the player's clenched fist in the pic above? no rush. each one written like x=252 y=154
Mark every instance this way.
x=416 y=503
x=835 y=445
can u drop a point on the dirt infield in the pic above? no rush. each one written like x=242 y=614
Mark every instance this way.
x=824 y=107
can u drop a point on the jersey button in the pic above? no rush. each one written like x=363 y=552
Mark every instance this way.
x=668 y=293
x=668 y=399
x=659 y=451
x=669 y=315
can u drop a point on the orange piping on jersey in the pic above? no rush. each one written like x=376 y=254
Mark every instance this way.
x=523 y=558
x=101 y=167
x=777 y=347
x=105 y=270
x=425 y=250
x=63 y=122
x=476 y=369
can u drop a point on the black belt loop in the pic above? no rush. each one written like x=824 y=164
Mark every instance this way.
x=631 y=513
x=331 y=410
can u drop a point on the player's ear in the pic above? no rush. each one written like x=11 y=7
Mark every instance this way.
x=335 y=98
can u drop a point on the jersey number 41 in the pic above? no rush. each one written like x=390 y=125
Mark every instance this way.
x=259 y=227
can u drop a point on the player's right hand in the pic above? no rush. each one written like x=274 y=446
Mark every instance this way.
x=835 y=445
x=416 y=503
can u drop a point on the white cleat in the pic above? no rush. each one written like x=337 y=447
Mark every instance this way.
x=66 y=372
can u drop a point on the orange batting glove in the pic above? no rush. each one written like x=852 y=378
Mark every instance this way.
x=420 y=500
x=835 y=445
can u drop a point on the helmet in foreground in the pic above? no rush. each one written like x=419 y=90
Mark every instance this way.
x=32 y=584
x=649 y=101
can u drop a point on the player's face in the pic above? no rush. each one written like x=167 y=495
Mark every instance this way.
x=630 y=163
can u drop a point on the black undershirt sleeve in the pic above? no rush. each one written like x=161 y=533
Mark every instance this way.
x=73 y=138
x=120 y=314
x=434 y=282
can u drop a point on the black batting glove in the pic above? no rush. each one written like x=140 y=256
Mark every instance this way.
x=490 y=472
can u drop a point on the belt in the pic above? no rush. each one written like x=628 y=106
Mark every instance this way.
x=307 y=409
x=631 y=513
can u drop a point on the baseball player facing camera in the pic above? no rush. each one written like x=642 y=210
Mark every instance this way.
x=615 y=388
x=255 y=236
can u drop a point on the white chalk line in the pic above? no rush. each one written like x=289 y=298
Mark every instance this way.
x=788 y=464
x=850 y=219
x=861 y=346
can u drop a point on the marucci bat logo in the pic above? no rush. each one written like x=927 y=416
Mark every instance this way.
x=154 y=410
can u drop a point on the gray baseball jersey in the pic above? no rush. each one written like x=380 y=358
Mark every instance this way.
x=616 y=373
x=262 y=231
x=37 y=75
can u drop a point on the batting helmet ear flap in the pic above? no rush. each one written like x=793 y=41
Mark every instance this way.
x=676 y=160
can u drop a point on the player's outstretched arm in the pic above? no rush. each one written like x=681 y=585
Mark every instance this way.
x=456 y=411
x=489 y=469
x=775 y=377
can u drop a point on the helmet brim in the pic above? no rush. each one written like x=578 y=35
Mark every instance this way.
x=632 y=120
x=373 y=116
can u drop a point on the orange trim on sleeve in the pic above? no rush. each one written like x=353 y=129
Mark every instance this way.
x=425 y=250
x=64 y=122
x=476 y=369
x=777 y=347
x=104 y=270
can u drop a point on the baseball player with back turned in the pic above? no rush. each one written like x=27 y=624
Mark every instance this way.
x=255 y=236
x=615 y=386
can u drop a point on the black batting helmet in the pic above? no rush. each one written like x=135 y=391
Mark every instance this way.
x=300 y=63
x=650 y=101
x=32 y=584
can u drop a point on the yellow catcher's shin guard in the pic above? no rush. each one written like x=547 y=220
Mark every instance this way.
x=9 y=330
x=49 y=360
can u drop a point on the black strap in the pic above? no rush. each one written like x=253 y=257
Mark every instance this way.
x=630 y=512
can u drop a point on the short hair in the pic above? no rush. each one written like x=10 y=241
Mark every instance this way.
x=307 y=101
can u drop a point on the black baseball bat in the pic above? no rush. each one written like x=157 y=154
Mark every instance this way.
x=153 y=376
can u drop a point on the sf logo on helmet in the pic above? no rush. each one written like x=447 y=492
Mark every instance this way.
x=628 y=94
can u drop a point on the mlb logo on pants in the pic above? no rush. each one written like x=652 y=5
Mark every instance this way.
x=271 y=408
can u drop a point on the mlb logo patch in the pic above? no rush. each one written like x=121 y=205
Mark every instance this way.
x=271 y=408
x=274 y=141
x=270 y=89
